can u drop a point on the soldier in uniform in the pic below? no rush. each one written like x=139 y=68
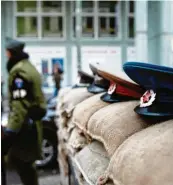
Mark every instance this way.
x=23 y=134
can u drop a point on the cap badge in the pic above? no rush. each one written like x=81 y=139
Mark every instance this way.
x=147 y=99
x=112 y=88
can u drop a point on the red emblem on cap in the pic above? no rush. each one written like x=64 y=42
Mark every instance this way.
x=147 y=99
x=112 y=88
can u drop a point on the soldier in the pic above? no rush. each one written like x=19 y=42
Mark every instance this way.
x=23 y=134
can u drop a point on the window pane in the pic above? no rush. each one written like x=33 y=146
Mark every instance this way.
x=52 y=6
x=87 y=26
x=26 y=6
x=26 y=27
x=131 y=7
x=108 y=6
x=73 y=6
x=131 y=27
x=52 y=26
x=108 y=27
x=87 y=6
x=74 y=26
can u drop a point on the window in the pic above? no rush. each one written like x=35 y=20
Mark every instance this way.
x=131 y=21
x=108 y=18
x=87 y=6
x=51 y=6
x=108 y=27
x=87 y=19
x=99 y=19
x=52 y=26
x=40 y=19
x=87 y=26
x=27 y=26
x=26 y=6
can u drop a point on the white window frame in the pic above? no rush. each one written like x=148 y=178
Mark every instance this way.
x=95 y=14
x=39 y=14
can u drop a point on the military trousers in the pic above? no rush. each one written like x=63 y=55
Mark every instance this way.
x=26 y=171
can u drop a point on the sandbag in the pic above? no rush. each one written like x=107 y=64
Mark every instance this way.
x=62 y=160
x=92 y=161
x=62 y=122
x=62 y=92
x=114 y=123
x=84 y=110
x=146 y=158
x=76 y=141
x=70 y=125
x=73 y=97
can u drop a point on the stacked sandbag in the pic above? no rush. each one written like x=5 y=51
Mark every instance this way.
x=92 y=161
x=85 y=110
x=113 y=124
x=145 y=158
x=76 y=141
x=67 y=101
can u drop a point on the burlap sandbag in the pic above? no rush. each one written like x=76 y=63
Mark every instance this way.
x=62 y=122
x=62 y=92
x=146 y=158
x=92 y=161
x=76 y=141
x=62 y=159
x=112 y=124
x=86 y=109
x=73 y=97
x=70 y=125
x=78 y=177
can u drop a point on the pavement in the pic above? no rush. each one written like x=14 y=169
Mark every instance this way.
x=46 y=177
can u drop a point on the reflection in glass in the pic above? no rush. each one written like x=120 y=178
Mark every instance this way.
x=52 y=26
x=52 y=6
x=131 y=27
x=74 y=26
x=73 y=4
x=26 y=27
x=26 y=6
x=108 y=27
x=108 y=6
x=87 y=6
x=87 y=27
x=131 y=7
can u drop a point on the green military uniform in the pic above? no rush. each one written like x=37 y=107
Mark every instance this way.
x=27 y=107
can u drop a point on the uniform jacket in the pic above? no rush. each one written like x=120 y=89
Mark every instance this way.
x=25 y=100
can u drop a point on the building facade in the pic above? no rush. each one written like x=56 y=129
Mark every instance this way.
x=74 y=33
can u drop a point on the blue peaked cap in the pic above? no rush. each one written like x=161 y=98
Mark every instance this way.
x=156 y=78
x=150 y=76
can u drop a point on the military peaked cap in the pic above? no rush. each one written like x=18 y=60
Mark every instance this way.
x=100 y=84
x=84 y=79
x=121 y=88
x=158 y=82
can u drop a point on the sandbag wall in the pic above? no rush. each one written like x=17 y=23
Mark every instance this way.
x=110 y=143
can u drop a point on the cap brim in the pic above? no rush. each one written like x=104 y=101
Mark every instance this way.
x=114 y=98
x=78 y=86
x=95 y=89
x=155 y=110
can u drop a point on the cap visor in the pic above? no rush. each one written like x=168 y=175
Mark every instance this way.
x=78 y=86
x=114 y=98
x=95 y=89
x=155 y=110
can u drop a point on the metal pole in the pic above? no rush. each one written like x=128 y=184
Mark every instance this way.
x=78 y=32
